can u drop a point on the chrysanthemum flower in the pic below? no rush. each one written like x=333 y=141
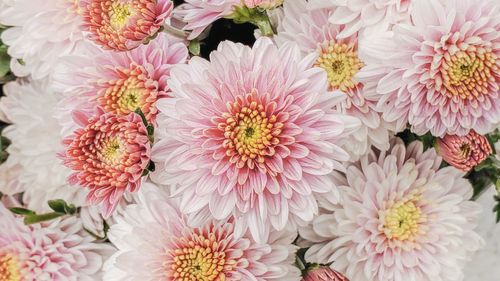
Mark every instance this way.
x=172 y=250
x=442 y=70
x=401 y=218
x=339 y=59
x=465 y=152
x=58 y=251
x=124 y=24
x=120 y=82
x=324 y=274
x=251 y=134
x=108 y=155
x=39 y=33
x=32 y=167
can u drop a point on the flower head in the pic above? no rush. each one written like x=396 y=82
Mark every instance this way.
x=465 y=152
x=400 y=218
x=124 y=24
x=172 y=250
x=59 y=251
x=251 y=134
x=108 y=155
x=324 y=274
x=441 y=71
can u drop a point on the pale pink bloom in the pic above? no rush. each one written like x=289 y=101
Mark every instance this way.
x=465 y=152
x=338 y=57
x=251 y=134
x=155 y=235
x=264 y=4
x=108 y=155
x=324 y=274
x=401 y=218
x=199 y=14
x=124 y=24
x=365 y=15
x=57 y=251
x=120 y=82
x=441 y=71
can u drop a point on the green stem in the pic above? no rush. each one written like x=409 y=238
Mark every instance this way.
x=32 y=219
x=264 y=25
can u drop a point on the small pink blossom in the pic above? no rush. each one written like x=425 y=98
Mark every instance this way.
x=465 y=152
x=324 y=274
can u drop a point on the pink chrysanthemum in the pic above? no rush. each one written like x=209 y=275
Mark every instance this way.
x=339 y=59
x=172 y=250
x=56 y=251
x=121 y=82
x=401 y=218
x=324 y=274
x=465 y=152
x=441 y=71
x=251 y=134
x=108 y=155
x=124 y=24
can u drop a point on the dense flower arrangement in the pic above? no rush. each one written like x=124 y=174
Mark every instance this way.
x=254 y=140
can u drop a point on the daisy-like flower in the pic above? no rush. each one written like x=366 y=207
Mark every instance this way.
x=32 y=166
x=251 y=134
x=365 y=15
x=124 y=24
x=338 y=57
x=172 y=250
x=465 y=152
x=324 y=274
x=108 y=155
x=119 y=83
x=401 y=218
x=58 y=251
x=441 y=71
x=39 y=33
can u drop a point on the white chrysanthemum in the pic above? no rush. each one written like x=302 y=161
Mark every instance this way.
x=154 y=235
x=338 y=57
x=40 y=32
x=55 y=251
x=401 y=219
x=32 y=166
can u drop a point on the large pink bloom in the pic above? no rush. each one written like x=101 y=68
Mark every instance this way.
x=251 y=134
x=441 y=71
x=401 y=218
x=108 y=154
x=124 y=24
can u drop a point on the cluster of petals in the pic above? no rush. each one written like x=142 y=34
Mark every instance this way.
x=170 y=249
x=108 y=155
x=400 y=218
x=250 y=134
x=324 y=274
x=264 y=4
x=125 y=24
x=60 y=250
x=309 y=27
x=441 y=70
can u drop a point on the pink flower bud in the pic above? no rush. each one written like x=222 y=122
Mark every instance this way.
x=324 y=274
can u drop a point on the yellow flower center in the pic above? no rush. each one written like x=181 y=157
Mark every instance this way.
x=130 y=100
x=250 y=133
x=125 y=96
x=119 y=14
x=200 y=259
x=466 y=73
x=402 y=220
x=9 y=268
x=341 y=63
x=111 y=152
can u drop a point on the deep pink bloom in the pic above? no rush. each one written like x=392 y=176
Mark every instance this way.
x=465 y=152
x=252 y=134
x=124 y=24
x=108 y=155
x=324 y=274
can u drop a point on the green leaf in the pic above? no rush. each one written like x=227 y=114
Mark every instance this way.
x=60 y=206
x=22 y=211
x=4 y=61
x=194 y=47
x=32 y=219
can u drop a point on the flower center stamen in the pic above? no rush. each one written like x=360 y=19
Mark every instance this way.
x=119 y=14
x=341 y=63
x=9 y=268
x=111 y=152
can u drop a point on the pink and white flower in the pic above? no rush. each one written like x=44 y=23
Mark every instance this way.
x=251 y=134
x=108 y=155
x=60 y=250
x=124 y=24
x=338 y=57
x=400 y=218
x=170 y=249
x=263 y=4
x=441 y=71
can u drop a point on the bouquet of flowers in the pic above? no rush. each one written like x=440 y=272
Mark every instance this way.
x=253 y=140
